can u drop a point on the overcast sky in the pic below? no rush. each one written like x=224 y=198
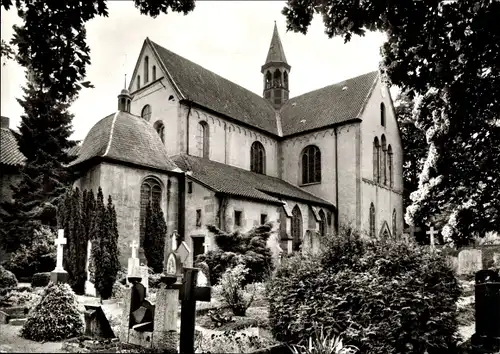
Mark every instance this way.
x=230 y=38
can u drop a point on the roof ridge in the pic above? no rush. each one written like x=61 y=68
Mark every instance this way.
x=334 y=84
x=111 y=133
x=212 y=72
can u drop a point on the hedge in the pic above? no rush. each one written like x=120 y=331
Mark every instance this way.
x=381 y=296
x=7 y=279
x=40 y=279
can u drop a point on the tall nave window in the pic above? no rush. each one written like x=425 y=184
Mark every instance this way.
x=311 y=165
x=258 y=158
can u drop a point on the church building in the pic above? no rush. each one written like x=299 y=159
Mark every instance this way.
x=213 y=152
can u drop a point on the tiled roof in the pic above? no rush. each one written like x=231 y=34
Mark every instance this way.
x=75 y=150
x=330 y=105
x=9 y=150
x=276 y=53
x=128 y=138
x=217 y=93
x=242 y=183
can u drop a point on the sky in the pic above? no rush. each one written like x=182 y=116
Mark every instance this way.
x=230 y=38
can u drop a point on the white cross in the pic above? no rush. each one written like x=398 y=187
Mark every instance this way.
x=60 y=241
x=134 y=245
x=174 y=241
x=431 y=233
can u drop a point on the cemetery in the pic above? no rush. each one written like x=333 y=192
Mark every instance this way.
x=180 y=310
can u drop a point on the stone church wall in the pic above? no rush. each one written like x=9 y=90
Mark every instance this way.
x=229 y=142
x=123 y=183
x=384 y=198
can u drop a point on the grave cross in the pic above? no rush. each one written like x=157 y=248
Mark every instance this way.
x=432 y=233
x=60 y=241
x=134 y=245
x=206 y=245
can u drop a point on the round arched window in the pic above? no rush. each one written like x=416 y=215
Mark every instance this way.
x=146 y=112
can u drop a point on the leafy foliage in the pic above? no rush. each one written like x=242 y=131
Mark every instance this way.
x=40 y=279
x=230 y=342
x=154 y=236
x=235 y=248
x=104 y=252
x=219 y=317
x=382 y=296
x=322 y=343
x=234 y=294
x=55 y=317
x=38 y=256
x=445 y=55
x=7 y=279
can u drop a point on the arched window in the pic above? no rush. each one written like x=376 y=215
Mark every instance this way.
x=383 y=165
x=257 y=158
x=311 y=165
x=322 y=223
x=376 y=160
x=269 y=80
x=296 y=231
x=154 y=72
x=390 y=162
x=146 y=70
x=285 y=79
x=394 y=224
x=372 y=220
x=138 y=81
x=382 y=114
x=277 y=78
x=203 y=139
x=160 y=129
x=150 y=192
x=146 y=112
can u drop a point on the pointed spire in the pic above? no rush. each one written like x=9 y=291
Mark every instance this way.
x=276 y=53
x=125 y=82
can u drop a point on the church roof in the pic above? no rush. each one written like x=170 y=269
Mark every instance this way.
x=124 y=137
x=276 y=52
x=214 y=92
x=242 y=183
x=9 y=150
x=332 y=104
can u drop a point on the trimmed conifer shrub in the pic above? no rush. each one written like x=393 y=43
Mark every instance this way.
x=249 y=249
x=381 y=296
x=154 y=236
x=7 y=279
x=104 y=253
x=55 y=317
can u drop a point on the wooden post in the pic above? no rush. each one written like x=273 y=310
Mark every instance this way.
x=188 y=311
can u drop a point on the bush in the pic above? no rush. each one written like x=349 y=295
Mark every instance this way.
x=382 y=296
x=154 y=281
x=154 y=236
x=24 y=298
x=118 y=290
x=230 y=342
x=233 y=293
x=55 y=317
x=39 y=256
x=249 y=249
x=40 y=279
x=323 y=343
x=7 y=279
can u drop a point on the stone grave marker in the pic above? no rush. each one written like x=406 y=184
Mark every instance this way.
x=431 y=232
x=135 y=269
x=59 y=275
x=470 y=261
x=496 y=260
x=96 y=323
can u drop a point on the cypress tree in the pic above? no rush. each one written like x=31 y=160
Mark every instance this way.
x=114 y=267
x=97 y=231
x=154 y=236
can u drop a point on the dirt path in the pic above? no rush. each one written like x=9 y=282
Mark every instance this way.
x=11 y=342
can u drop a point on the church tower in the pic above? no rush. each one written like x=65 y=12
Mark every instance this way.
x=124 y=99
x=276 y=71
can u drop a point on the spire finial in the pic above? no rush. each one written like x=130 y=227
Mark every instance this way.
x=125 y=82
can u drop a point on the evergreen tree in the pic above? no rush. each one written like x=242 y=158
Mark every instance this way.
x=154 y=236
x=104 y=247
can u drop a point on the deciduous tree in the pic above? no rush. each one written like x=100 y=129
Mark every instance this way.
x=445 y=55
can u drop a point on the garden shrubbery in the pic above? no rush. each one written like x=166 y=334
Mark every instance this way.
x=40 y=279
x=235 y=248
x=38 y=256
x=234 y=294
x=381 y=296
x=55 y=317
x=7 y=279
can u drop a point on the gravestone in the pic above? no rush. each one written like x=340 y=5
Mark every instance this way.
x=135 y=269
x=452 y=262
x=59 y=275
x=96 y=323
x=432 y=233
x=133 y=261
x=89 y=286
x=470 y=261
